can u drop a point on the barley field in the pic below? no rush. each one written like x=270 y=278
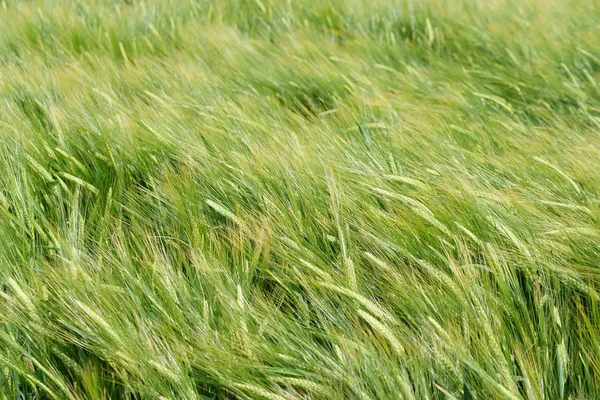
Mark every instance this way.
x=315 y=199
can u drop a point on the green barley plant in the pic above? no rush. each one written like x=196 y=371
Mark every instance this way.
x=275 y=199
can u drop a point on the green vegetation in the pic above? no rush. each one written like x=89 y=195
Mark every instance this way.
x=276 y=199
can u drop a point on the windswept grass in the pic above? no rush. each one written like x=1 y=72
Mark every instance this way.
x=271 y=199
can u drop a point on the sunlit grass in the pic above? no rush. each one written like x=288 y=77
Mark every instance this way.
x=271 y=199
